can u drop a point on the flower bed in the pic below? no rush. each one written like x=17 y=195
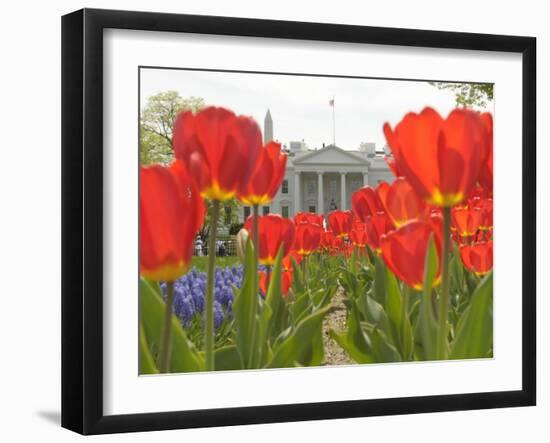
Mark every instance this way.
x=414 y=256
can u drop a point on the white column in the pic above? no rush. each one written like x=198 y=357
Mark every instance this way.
x=343 y=191
x=365 y=179
x=320 y=197
x=296 y=192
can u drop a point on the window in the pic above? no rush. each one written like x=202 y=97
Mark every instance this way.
x=284 y=187
x=332 y=188
x=311 y=209
x=265 y=210
x=284 y=211
x=311 y=187
x=246 y=212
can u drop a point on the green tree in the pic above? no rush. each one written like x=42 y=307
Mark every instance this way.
x=156 y=122
x=468 y=95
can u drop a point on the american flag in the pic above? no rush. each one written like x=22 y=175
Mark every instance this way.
x=331 y=102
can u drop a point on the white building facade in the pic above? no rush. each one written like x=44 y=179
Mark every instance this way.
x=323 y=180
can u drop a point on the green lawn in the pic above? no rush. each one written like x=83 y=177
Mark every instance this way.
x=221 y=262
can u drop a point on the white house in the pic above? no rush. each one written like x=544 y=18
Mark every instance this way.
x=324 y=179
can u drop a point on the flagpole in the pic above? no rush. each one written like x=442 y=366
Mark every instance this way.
x=333 y=122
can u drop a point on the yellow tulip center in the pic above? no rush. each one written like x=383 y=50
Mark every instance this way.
x=445 y=200
x=215 y=192
x=168 y=272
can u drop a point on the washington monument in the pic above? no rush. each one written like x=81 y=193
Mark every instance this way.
x=268 y=128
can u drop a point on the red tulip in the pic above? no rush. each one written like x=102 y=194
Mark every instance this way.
x=478 y=258
x=287 y=260
x=327 y=238
x=393 y=166
x=466 y=220
x=219 y=148
x=376 y=226
x=348 y=250
x=308 y=238
x=266 y=177
x=486 y=174
x=358 y=237
x=340 y=222
x=436 y=222
x=338 y=246
x=382 y=191
x=365 y=203
x=274 y=232
x=440 y=158
x=486 y=207
x=171 y=212
x=309 y=217
x=436 y=211
x=457 y=238
x=478 y=192
x=404 y=251
x=286 y=282
x=481 y=236
x=402 y=203
x=358 y=225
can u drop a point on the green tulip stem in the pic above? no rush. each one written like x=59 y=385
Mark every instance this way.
x=444 y=299
x=209 y=308
x=304 y=270
x=255 y=241
x=268 y=278
x=253 y=311
x=166 y=337
x=405 y=313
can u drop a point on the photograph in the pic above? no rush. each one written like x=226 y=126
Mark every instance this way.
x=291 y=220
x=275 y=222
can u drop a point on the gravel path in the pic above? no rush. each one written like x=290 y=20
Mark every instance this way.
x=336 y=319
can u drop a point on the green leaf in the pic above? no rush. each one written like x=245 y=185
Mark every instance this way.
x=407 y=336
x=274 y=299
x=393 y=304
x=146 y=360
x=375 y=314
x=353 y=260
x=263 y=348
x=382 y=348
x=297 y=348
x=321 y=297
x=457 y=271
x=474 y=332
x=245 y=309
x=184 y=356
x=227 y=358
x=379 y=281
x=297 y=277
x=397 y=310
x=426 y=328
x=300 y=307
x=356 y=354
x=349 y=283
x=355 y=342
x=314 y=354
x=414 y=305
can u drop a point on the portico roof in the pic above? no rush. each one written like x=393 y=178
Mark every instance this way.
x=331 y=155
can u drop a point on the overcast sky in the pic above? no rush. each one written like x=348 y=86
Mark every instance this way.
x=300 y=105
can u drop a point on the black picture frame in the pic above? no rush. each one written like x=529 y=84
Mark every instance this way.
x=82 y=220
